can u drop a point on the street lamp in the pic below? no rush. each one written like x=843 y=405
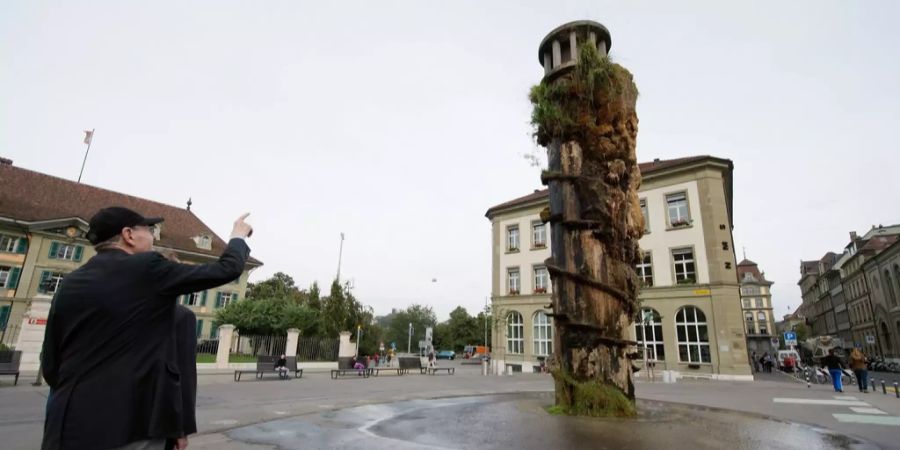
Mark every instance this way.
x=409 y=339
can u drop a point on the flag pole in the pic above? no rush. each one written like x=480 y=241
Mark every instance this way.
x=89 y=139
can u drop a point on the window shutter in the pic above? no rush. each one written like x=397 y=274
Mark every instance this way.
x=234 y=297
x=203 y=299
x=199 y=328
x=218 y=299
x=44 y=276
x=22 y=245
x=79 y=251
x=4 y=316
x=184 y=299
x=13 y=281
x=54 y=247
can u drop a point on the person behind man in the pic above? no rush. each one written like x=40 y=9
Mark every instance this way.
x=110 y=331
x=858 y=365
x=835 y=366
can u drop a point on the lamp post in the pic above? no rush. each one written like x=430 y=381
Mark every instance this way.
x=358 y=332
x=409 y=339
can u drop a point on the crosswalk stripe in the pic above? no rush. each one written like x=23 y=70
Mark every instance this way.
x=867 y=410
x=868 y=419
x=844 y=397
x=816 y=401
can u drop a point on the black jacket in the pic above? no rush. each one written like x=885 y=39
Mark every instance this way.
x=832 y=362
x=107 y=347
x=186 y=357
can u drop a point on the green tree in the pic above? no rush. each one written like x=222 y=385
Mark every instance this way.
x=280 y=285
x=802 y=332
x=268 y=316
x=397 y=329
x=459 y=330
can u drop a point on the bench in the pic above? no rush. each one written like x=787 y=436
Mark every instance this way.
x=9 y=364
x=345 y=368
x=266 y=364
x=399 y=370
x=433 y=370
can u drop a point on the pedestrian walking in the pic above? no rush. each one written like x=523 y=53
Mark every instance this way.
x=109 y=335
x=858 y=366
x=835 y=366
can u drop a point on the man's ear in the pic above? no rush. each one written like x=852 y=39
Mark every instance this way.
x=127 y=236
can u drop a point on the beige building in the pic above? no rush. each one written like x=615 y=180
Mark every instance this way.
x=43 y=222
x=691 y=293
x=883 y=274
x=756 y=304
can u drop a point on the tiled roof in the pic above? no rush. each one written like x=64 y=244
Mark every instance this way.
x=646 y=168
x=879 y=243
x=747 y=266
x=811 y=267
x=31 y=196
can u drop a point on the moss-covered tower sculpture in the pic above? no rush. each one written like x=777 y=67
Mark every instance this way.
x=584 y=114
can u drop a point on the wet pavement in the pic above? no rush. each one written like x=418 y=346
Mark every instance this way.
x=520 y=421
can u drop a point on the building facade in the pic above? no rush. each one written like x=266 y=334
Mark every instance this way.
x=43 y=224
x=692 y=320
x=756 y=305
x=883 y=273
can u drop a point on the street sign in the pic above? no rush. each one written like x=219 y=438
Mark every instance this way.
x=775 y=342
x=790 y=338
x=870 y=339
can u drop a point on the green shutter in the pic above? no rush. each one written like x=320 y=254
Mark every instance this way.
x=44 y=276
x=234 y=297
x=79 y=251
x=4 y=316
x=13 y=281
x=214 y=331
x=199 y=328
x=203 y=299
x=54 y=248
x=218 y=299
x=22 y=246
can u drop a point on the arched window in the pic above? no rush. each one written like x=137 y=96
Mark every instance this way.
x=543 y=334
x=693 y=337
x=515 y=329
x=889 y=295
x=886 y=334
x=650 y=337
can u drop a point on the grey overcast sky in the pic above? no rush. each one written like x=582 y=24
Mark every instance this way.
x=400 y=123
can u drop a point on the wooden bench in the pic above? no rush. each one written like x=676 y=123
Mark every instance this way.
x=345 y=368
x=9 y=364
x=398 y=370
x=433 y=370
x=266 y=364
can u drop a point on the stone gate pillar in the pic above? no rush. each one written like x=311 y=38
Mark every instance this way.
x=226 y=333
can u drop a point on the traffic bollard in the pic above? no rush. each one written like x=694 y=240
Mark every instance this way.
x=883 y=388
x=896 y=391
x=807 y=381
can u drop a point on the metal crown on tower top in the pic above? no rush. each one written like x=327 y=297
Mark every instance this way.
x=559 y=50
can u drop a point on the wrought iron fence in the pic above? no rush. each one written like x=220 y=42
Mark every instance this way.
x=259 y=345
x=317 y=349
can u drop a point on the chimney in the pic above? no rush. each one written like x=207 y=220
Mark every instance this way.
x=853 y=236
x=5 y=162
x=656 y=160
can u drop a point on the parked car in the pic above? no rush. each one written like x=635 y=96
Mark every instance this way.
x=446 y=354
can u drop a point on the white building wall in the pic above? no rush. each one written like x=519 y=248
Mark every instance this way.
x=526 y=258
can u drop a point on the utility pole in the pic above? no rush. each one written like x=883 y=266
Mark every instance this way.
x=409 y=339
x=340 y=254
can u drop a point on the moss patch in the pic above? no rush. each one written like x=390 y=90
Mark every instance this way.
x=590 y=398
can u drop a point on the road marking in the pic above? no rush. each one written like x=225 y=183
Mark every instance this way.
x=816 y=401
x=840 y=397
x=867 y=410
x=869 y=419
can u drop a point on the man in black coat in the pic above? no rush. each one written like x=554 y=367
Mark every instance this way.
x=109 y=331
x=184 y=353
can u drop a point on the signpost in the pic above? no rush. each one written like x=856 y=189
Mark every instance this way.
x=790 y=339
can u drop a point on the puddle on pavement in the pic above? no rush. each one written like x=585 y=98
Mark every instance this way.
x=520 y=421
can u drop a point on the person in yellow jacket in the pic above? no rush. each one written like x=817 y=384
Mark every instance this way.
x=858 y=365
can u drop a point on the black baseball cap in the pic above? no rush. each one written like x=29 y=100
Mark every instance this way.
x=109 y=222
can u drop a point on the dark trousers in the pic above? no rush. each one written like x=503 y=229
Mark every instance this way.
x=862 y=379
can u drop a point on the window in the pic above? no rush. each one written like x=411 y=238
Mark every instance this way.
x=541 y=280
x=646 y=214
x=538 y=235
x=745 y=303
x=684 y=266
x=515 y=342
x=9 y=277
x=693 y=338
x=199 y=328
x=748 y=320
x=11 y=244
x=888 y=289
x=512 y=276
x=649 y=335
x=194 y=299
x=753 y=290
x=50 y=282
x=512 y=238
x=644 y=270
x=678 y=210
x=70 y=252
x=763 y=323
x=224 y=298
x=543 y=334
